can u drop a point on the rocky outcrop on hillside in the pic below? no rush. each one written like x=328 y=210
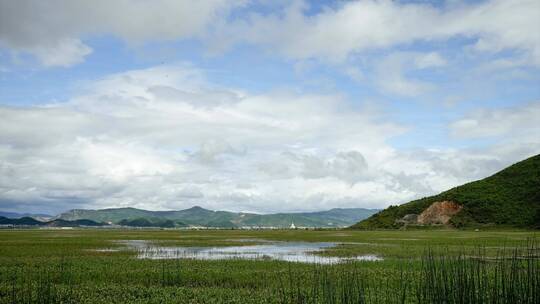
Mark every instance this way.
x=438 y=213
x=409 y=219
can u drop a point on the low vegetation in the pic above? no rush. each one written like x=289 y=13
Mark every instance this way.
x=59 y=266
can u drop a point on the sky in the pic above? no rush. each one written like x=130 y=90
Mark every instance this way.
x=261 y=106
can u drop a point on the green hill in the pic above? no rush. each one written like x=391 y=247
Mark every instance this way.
x=15 y=215
x=509 y=198
x=23 y=221
x=197 y=216
x=28 y=221
x=75 y=223
x=151 y=222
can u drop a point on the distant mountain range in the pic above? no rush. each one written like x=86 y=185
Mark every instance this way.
x=29 y=221
x=192 y=217
x=197 y=216
x=14 y=215
x=509 y=198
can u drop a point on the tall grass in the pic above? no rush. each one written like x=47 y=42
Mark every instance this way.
x=513 y=276
x=50 y=283
x=326 y=285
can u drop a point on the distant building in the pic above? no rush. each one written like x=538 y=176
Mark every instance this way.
x=292 y=226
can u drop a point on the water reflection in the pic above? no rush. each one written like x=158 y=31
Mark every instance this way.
x=303 y=252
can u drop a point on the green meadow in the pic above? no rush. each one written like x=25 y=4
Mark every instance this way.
x=436 y=266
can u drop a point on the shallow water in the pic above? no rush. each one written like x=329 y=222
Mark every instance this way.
x=302 y=252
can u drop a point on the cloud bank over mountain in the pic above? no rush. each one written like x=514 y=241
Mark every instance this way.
x=165 y=138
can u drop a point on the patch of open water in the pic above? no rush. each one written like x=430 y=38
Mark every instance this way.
x=303 y=252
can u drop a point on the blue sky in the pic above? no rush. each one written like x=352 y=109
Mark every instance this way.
x=261 y=106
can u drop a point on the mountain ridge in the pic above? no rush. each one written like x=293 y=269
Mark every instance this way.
x=16 y=215
x=29 y=221
x=199 y=216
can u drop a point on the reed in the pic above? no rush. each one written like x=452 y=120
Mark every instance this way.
x=513 y=276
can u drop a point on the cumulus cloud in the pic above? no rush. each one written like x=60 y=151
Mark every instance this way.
x=356 y=26
x=210 y=150
x=131 y=139
x=350 y=166
x=65 y=53
x=391 y=72
x=52 y=30
x=46 y=29
x=429 y=60
x=518 y=121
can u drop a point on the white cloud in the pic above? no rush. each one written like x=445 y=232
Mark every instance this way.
x=390 y=74
x=132 y=139
x=429 y=60
x=65 y=53
x=357 y=26
x=52 y=30
x=350 y=166
x=517 y=121
x=332 y=34
x=210 y=150
x=153 y=136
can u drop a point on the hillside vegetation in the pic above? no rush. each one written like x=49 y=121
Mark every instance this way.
x=509 y=198
x=28 y=221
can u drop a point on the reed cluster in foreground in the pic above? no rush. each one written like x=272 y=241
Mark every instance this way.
x=511 y=277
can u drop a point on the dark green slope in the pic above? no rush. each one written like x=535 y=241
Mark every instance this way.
x=510 y=197
x=196 y=216
x=23 y=221
x=28 y=221
x=15 y=215
x=151 y=222
x=75 y=223
x=105 y=215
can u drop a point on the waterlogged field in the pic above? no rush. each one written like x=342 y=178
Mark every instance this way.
x=165 y=266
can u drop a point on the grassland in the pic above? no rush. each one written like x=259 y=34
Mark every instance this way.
x=58 y=266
